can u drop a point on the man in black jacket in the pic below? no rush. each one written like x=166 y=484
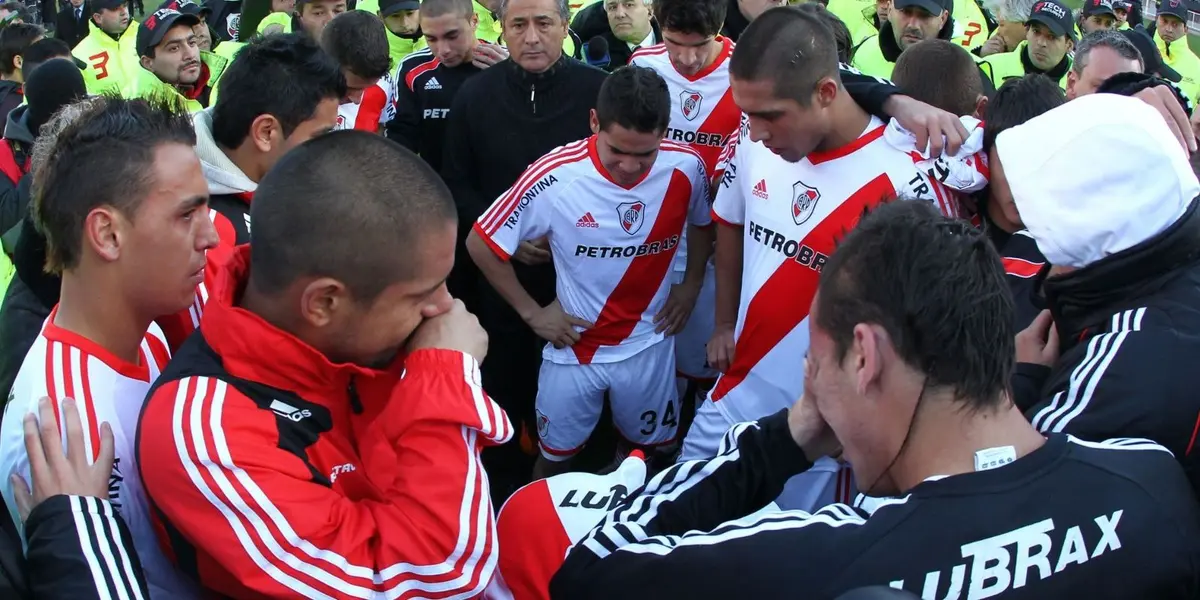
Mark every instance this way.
x=1124 y=291
x=71 y=24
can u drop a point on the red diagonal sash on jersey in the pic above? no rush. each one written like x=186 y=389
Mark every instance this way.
x=784 y=299
x=724 y=119
x=632 y=295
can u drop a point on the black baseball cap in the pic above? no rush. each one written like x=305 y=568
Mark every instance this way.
x=933 y=7
x=388 y=8
x=1053 y=15
x=151 y=31
x=98 y=5
x=1175 y=8
x=1151 y=57
x=1098 y=7
x=1121 y=5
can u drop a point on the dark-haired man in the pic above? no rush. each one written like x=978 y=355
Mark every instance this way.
x=1096 y=15
x=311 y=16
x=173 y=66
x=907 y=379
x=807 y=163
x=357 y=436
x=615 y=207
x=358 y=41
x=502 y=120
x=1171 y=37
x=693 y=59
x=124 y=209
x=1049 y=38
x=14 y=40
x=910 y=22
x=110 y=48
x=428 y=80
x=280 y=92
x=957 y=87
x=71 y=23
x=1016 y=102
x=43 y=50
x=402 y=20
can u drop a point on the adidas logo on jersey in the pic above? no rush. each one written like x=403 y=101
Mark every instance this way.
x=289 y=412
x=433 y=84
x=587 y=220
x=760 y=189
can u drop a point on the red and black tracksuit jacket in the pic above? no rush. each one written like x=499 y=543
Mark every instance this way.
x=274 y=473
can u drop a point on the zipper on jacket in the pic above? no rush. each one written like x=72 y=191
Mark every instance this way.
x=533 y=96
x=355 y=403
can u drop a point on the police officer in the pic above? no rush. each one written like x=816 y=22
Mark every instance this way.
x=1049 y=38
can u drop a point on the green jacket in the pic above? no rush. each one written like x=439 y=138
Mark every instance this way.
x=145 y=84
x=111 y=64
x=1007 y=65
x=1179 y=56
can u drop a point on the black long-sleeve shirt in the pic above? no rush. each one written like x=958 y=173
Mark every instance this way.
x=505 y=118
x=1069 y=520
x=425 y=92
x=79 y=549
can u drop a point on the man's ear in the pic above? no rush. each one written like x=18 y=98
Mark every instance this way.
x=981 y=107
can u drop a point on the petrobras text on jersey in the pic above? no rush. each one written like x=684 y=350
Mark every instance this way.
x=628 y=251
x=793 y=249
x=698 y=138
x=542 y=185
x=1016 y=558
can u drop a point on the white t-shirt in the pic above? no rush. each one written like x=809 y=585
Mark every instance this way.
x=793 y=214
x=612 y=246
x=106 y=389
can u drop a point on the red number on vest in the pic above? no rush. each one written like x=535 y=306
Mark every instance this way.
x=100 y=64
x=971 y=31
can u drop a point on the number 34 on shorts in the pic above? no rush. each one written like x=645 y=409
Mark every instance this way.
x=641 y=391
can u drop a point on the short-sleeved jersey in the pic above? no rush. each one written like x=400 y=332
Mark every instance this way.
x=62 y=364
x=376 y=108
x=612 y=245
x=792 y=215
x=703 y=113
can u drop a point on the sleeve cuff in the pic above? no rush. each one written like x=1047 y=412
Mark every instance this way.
x=718 y=219
x=500 y=253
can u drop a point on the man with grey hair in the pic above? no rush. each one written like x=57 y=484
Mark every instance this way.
x=1100 y=55
x=502 y=121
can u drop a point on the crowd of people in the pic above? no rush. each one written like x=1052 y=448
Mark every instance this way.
x=521 y=299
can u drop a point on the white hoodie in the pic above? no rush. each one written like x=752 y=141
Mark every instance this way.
x=222 y=175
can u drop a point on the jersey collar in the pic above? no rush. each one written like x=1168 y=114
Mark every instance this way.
x=54 y=333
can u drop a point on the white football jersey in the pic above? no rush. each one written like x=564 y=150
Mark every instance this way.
x=612 y=246
x=62 y=364
x=376 y=108
x=703 y=113
x=793 y=214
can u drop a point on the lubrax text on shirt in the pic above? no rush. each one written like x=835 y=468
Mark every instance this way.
x=699 y=138
x=627 y=251
x=1033 y=552
x=795 y=250
x=528 y=197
